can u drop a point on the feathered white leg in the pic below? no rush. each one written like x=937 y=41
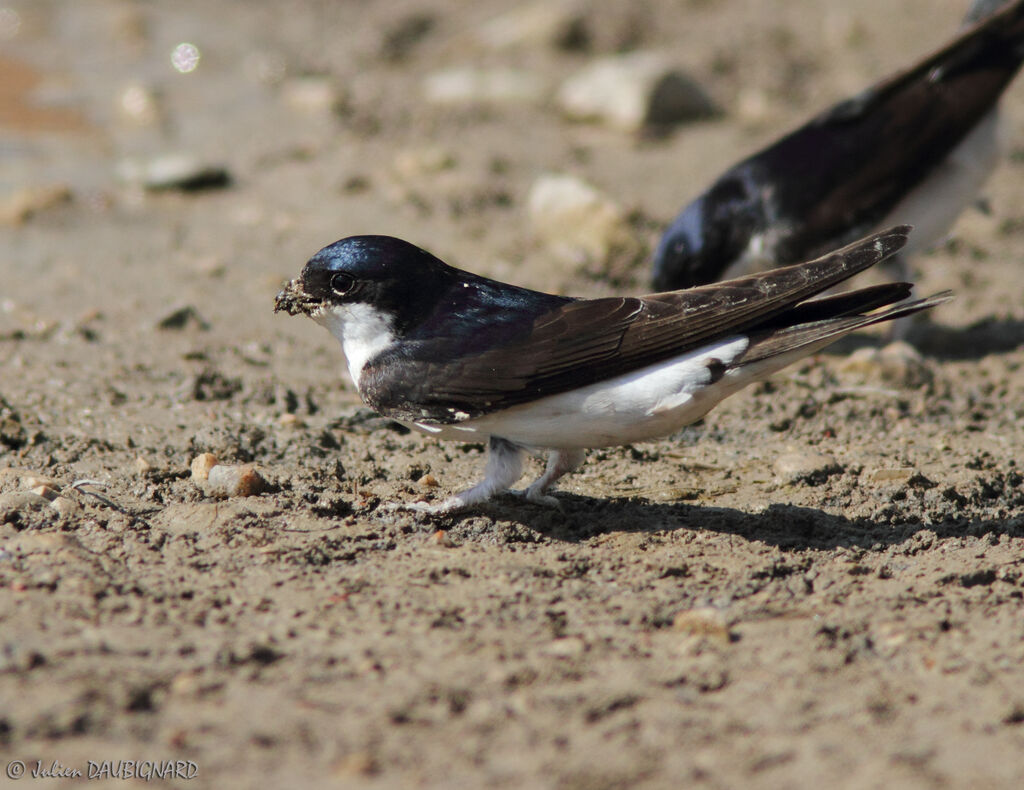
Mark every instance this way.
x=560 y=463
x=504 y=467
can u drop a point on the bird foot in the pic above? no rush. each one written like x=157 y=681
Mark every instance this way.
x=537 y=497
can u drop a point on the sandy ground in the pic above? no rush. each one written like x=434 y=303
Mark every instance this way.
x=818 y=586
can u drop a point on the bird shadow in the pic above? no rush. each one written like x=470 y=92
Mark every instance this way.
x=988 y=336
x=788 y=527
x=946 y=343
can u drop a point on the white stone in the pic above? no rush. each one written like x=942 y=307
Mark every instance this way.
x=632 y=91
x=805 y=465
x=576 y=222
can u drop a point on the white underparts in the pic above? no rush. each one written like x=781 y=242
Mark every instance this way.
x=934 y=205
x=644 y=404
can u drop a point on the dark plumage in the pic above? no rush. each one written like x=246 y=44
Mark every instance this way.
x=462 y=356
x=857 y=164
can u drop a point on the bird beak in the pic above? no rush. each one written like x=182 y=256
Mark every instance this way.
x=293 y=300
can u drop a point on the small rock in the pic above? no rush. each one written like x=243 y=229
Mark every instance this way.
x=201 y=466
x=181 y=317
x=182 y=172
x=631 y=92
x=805 y=466
x=49 y=493
x=35 y=481
x=894 y=475
x=25 y=478
x=65 y=506
x=753 y=107
x=702 y=621
x=142 y=466
x=354 y=764
x=467 y=85
x=21 y=205
x=184 y=684
x=897 y=365
x=289 y=420
x=418 y=162
x=440 y=538
x=577 y=223
x=139 y=104
x=312 y=93
x=428 y=481
x=564 y=647
x=229 y=481
x=554 y=24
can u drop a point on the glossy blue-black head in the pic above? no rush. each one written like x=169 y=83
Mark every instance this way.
x=711 y=234
x=397 y=278
x=680 y=253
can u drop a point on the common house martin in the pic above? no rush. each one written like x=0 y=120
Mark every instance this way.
x=463 y=357
x=914 y=148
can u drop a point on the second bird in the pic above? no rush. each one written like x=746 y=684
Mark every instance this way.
x=916 y=148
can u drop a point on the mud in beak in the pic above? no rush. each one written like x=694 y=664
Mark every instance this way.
x=293 y=300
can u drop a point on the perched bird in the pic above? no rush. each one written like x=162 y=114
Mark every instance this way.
x=915 y=148
x=464 y=357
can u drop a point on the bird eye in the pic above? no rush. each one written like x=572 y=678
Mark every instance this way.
x=342 y=283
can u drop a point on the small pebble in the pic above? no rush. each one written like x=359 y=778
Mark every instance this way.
x=702 y=621
x=46 y=492
x=577 y=223
x=34 y=481
x=289 y=420
x=441 y=538
x=354 y=764
x=182 y=172
x=894 y=475
x=634 y=91
x=428 y=481
x=897 y=365
x=142 y=466
x=565 y=647
x=65 y=506
x=202 y=464
x=140 y=105
x=806 y=466
x=414 y=163
x=312 y=93
x=226 y=480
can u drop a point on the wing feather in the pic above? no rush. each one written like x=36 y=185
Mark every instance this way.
x=585 y=341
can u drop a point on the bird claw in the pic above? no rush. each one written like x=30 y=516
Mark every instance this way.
x=537 y=498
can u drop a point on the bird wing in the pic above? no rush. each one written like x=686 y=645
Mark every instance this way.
x=844 y=170
x=587 y=341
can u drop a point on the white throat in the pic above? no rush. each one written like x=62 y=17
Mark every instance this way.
x=363 y=331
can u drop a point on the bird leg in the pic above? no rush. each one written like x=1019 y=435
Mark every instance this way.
x=504 y=467
x=560 y=463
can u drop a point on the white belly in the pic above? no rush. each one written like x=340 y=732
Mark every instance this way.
x=934 y=205
x=648 y=403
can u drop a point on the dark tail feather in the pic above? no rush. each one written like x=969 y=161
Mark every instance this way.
x=846 y=303
x=820 y=332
